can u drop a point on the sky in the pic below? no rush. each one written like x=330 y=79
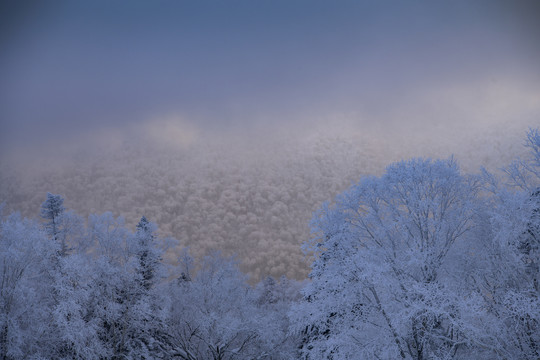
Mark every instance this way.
x=74 y=68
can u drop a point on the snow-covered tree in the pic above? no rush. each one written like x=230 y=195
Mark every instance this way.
x=111 y=276
x=529 y=244
x=145 y=307
x=268 y=291
x=383 y=283
x=75 y=326
x=52 y=211
x=524 y=173
x=215 y=316
x=273 y=302
x=107 y=237
x=147 y=253
x=64 y=227
x=25 y=256
x=510 y=282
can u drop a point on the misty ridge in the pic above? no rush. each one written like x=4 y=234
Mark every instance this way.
x=248 y=197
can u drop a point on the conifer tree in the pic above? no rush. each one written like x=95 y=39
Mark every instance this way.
x=147 y=255
x=53 y=210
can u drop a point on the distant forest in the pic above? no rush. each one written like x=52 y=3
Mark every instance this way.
x=422 y=262
x=253 y=199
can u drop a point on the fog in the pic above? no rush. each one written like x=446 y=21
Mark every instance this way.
x=228 y=124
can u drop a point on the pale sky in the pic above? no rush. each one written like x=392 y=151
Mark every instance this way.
x=69 y=68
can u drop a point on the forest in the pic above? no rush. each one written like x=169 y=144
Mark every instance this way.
x=424 y=261
x=252 y=198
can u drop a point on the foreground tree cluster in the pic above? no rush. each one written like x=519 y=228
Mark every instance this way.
x=70 y=291
x=424 y=262
x=427 y=263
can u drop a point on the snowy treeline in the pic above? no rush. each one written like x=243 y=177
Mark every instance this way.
x=423 y=262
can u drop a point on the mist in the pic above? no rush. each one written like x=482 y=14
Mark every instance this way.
x=228 y=124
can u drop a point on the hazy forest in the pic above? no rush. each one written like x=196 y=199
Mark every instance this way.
x=252 y=199
x=420 y=260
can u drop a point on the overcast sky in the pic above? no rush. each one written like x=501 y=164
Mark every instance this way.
x=70 y=68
